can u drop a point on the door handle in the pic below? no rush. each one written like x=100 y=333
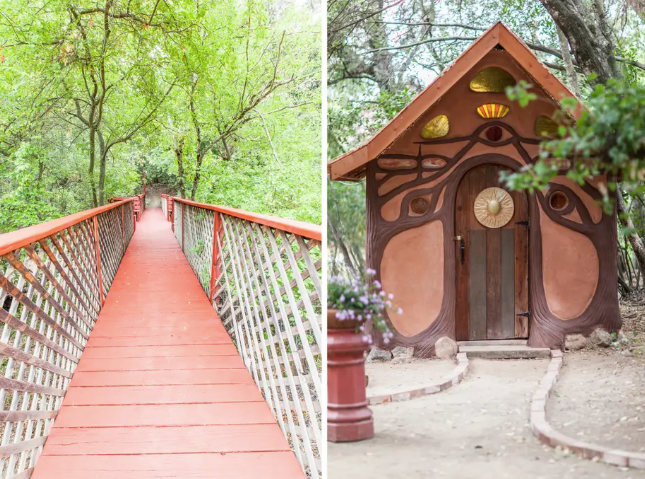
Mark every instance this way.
x=462 y=247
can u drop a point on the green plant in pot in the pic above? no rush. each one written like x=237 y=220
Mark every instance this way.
x=357 y=304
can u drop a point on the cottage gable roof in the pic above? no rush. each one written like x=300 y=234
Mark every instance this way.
x=351 y=165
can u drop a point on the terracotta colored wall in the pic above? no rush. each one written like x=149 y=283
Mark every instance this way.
x=412 y=270
x=570 y=269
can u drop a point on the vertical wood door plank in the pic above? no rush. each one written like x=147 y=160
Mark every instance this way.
x=493 y=283
x=508 y=284
x=493 y=269
x=477 y=284
x=476 y=253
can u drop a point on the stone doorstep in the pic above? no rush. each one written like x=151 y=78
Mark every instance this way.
x=494 y=342
x=497 y=350
x=452 y=379
x=549 y=436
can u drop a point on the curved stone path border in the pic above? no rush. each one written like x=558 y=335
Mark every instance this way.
x=455 y=377
x=549 y=436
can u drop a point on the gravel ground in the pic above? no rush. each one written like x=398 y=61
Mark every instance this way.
x=388 y=378
x=477 y=430
x=600 y=398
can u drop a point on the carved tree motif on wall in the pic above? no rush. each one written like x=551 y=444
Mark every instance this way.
x=439 y=189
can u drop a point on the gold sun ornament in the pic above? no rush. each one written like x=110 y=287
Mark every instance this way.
x=494 y=207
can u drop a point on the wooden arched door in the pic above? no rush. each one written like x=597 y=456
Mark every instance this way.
x=492 y=263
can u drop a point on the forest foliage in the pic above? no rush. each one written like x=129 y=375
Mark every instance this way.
x=220 y=101
x=382 y=54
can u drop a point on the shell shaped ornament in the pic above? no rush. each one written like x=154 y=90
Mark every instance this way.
x=493 y=110
x=494 y=207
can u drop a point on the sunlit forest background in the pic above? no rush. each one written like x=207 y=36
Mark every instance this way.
x=383 y=53
x=219 y=102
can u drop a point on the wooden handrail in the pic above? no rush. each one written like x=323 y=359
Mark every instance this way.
x=25 y=236
x=301 y=228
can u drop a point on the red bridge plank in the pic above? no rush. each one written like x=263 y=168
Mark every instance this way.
x=164 y=440
x=160 y=378
x=165 y=415
x=178 y=394
x=160 y=391
x=160 y=351
x=264 y=465
x=146 y=364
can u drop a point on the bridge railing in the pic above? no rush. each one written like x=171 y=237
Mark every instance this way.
x=263 y=277
x=138 y=203
x=53 y=281
x=164 y=205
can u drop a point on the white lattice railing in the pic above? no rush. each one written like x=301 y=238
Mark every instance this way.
x=164 y=205
x=53 y=281
x=262 y=276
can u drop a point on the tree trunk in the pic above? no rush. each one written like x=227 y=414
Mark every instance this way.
x=199 y=154
x=382 y=61
x=95 y=202
x=41 y=170
x=198 y=174
x=179 y=153
x=588 y=35
x=568 y=63
x=102 y=163
x=343 y=248
x=634 y=240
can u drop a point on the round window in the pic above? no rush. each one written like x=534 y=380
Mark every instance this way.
x=419 y=206
x=494 y=133
x=558 y=200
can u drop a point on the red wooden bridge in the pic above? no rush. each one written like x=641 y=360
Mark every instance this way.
x=130 y=351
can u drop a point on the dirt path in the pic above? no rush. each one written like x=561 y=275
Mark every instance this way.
x=600 y=398
x=476 y=430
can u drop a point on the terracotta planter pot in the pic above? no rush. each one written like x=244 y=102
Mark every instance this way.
x=348 y=417
x=334 y=323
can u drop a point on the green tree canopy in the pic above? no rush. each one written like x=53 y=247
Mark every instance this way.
x=223 y=97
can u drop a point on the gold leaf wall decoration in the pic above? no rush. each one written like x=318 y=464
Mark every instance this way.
x=492 y=80
x=436 y=128
x=545 y=127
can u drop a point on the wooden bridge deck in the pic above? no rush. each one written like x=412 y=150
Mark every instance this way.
x=160 y=391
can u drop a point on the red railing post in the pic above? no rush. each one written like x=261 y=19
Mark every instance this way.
x=134 y=217
x=171 y=213
x=98 y=259
x=214 y=270
x=183 y=222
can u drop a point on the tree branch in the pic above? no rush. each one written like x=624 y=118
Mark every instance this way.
x=532 y=46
